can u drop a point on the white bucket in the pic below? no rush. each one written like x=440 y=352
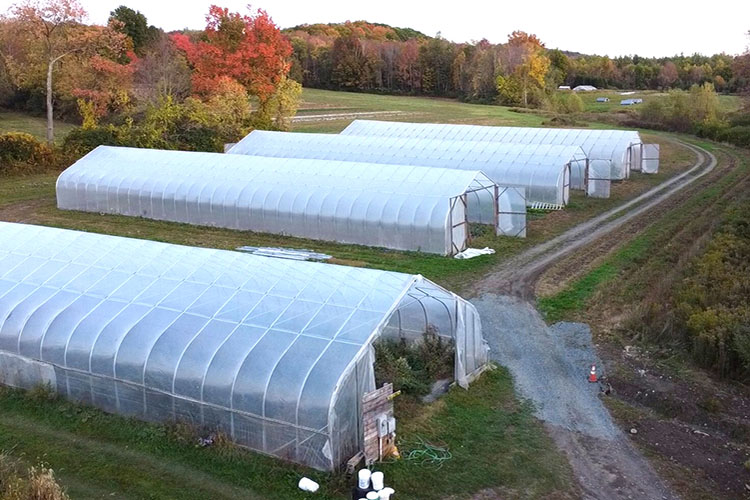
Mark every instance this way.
x=364 y=479
x=373 y=496
x=385 y=493
x=378 y=481
x=306 y=484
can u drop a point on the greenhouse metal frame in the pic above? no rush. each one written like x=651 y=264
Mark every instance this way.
x=398 y=207
x=275 y=353
x=623 y=149
x=541 y=170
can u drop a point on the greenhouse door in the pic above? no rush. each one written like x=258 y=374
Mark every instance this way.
x=637 y=164
x=566 y=185
x=459 y=224
x=650 y=159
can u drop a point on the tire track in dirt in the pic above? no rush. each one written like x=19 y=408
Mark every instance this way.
x=573 y=266
x=518 y=275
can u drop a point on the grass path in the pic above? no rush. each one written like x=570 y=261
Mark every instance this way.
x=120 y=470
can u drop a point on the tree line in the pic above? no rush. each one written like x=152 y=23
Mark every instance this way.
x=366 y=57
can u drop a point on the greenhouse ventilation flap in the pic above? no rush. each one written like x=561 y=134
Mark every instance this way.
x=546 y=172
x=398 y=207
x=275 y=353
x=622 y=149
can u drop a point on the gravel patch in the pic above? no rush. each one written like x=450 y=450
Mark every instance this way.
x=550 y=365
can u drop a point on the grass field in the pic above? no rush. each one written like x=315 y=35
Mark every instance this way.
x=11 y=121
x=417 y=109
x=727 y=103
x=495 y=441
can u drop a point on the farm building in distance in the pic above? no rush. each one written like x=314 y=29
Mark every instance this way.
x=398 y=207
x=585 y=88
x=275 y=353
x=618 y=150
x=545 y=172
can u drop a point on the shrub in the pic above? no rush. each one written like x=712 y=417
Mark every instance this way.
x=713 y=304
x=82 y=140
x=565 y=103
x=712 y=129
x=23 y=152
x=739 y=136
x=412 y=367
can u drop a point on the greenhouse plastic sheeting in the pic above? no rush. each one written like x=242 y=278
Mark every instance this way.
x=275 y=353
x=540 y=170
x=620 y=147
x=399 y=207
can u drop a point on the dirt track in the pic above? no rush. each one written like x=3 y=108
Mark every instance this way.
x=518 y=275
x=606 y=464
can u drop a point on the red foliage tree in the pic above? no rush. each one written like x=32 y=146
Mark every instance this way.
x=249 y=49
x=106 y=84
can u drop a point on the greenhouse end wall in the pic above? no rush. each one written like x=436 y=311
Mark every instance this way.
x=275 y=353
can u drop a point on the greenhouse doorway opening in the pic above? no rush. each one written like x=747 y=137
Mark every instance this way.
x=507 y=214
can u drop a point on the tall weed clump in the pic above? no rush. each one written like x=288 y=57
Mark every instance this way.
x=412 y=367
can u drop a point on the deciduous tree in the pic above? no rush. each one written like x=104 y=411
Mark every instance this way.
x=53 y=30
x=135 y=25
x=668 y=74
x=247 y=48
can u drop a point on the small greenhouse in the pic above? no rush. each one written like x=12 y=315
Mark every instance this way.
x=622 y=148
x=275 y=353
x=545 y=172
x=398 y=207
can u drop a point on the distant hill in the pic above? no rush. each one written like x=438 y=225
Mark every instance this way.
x=361 y=29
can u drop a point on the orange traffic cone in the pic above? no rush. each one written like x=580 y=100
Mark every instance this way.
x=592 y=374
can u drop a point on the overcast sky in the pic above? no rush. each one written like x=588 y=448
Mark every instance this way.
x=647 y=28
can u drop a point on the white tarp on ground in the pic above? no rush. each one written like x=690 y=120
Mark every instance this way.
x=617 y=146
x=275 y=353
x=541 y=169
x=394 y=206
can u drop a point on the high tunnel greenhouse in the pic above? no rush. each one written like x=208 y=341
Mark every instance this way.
x=622 y=150
x=275 y=353
x=398 y=207
x=546 y=172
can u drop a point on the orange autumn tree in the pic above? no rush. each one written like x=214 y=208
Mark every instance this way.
x=249 y=49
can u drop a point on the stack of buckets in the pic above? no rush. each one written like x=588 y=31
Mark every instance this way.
x=371 y=486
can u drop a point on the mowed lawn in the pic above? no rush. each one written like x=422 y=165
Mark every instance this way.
x=13 y=121
x=338 y=105
x=495 y=442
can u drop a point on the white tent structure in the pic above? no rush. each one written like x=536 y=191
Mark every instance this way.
x=275 y=353
x=623 y=150
x=545 y=172
x=404 y=208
